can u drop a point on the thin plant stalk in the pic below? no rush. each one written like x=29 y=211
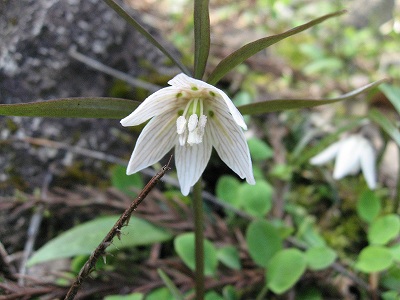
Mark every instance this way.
x=199 y=240
x=130 y=20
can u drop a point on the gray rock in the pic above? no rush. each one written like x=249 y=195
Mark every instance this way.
x=35 y=65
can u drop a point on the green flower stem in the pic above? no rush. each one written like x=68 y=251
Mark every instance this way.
x=199 y=239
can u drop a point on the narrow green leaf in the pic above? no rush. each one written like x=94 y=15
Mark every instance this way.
x=392 y=92
x=201 y=36
x=252 y=48
x=131 y=21
x=170 y=285
x=281 y=104
x=380 y=119
x=97 y=107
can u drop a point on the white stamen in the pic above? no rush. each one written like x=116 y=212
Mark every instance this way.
x=180 y=124
x=182 y=139
x=192 y=123
x=194 y=137
x=202 y=122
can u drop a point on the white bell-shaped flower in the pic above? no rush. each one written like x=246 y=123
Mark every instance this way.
x=352 y=154
x=192 y=116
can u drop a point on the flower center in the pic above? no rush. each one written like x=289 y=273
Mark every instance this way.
x=190 y=125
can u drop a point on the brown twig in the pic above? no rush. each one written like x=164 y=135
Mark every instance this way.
x=115 y=231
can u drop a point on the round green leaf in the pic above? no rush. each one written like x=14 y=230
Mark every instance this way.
x=126 y=183
x=213 y=296
x=319 y=258
x=285 y=269
x=259 y=150
x=230 y=293
x=391 y=279
x=184 y=246
x=396 y=252
x=160 y=293
x=368 y=206
x=229 y=256
x=384 y=229
x=374 y=259
x=263 y=241
x=282 y=172
x=84 y=238
x=134 y=296
x=390 y=295
x=227 y=189
x=256 y=199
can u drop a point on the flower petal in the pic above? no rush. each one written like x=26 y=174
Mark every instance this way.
x=156 y=139
x=182 y=81
x=367 y=159
x=326 y=155
x=237 y=116
x=156 y=104
x=229 y=142
x=190 y=163
x=348 y=158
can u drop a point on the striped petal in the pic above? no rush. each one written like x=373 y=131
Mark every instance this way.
x=367 y=160
x=156 y=104
x=347 y=160
x=237 y=116
x=326 y=155
x=182 y=81
x=229 y=142
x=156 y=139
x=185 y=82
x=190 y=163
